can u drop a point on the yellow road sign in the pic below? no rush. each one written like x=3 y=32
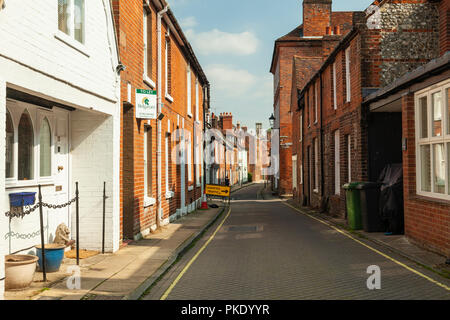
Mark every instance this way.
x=214 y=190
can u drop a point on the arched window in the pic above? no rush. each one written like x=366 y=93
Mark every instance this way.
x=45 y=143
x=9 y=146
x=26 y=145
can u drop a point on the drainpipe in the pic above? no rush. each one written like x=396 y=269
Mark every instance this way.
x=158 y=122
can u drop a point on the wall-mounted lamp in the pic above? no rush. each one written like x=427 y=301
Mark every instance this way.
x=120 y=67
x=161 y=116
x=272 y=121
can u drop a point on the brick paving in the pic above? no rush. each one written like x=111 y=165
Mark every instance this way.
x=266 y=250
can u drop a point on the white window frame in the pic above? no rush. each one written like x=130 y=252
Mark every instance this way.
x=334 y=87
x=348 y=83
x=349 y=160
x=166 y=70
x=148 y=201
x=294 y=171
x=431 y=141
x=316 y=165
x=316 y=102
x=189 y=157
x=301 y=127
x=189 y=90
x=337 y=163
x=197 y=100
x=69 y=39
x=145 y=76
x=169 y=193
x=301 y=174
x=37 y=114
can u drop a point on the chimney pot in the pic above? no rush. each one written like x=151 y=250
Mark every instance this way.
x=337 y=30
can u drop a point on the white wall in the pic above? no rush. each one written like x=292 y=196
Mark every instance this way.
x=3 y=219
x=92 y=162
x=36 y=59
x=29 y=31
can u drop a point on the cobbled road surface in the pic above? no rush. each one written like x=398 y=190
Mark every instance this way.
x=266 y=250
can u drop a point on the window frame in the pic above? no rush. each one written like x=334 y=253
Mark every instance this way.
x=431 y=141
x=148 y=200
x=349 y=157
x=334 y=86
x=348 y=75
x=316 y=102
x=316 y=165
x=168 y=69
x=37 y=114
x=337 y=162
x=294 y=171
x=70 y=37
x=189 y=90
x=301 y=127
x=147 y=31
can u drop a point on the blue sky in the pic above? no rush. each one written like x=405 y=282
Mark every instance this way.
x=233 y=40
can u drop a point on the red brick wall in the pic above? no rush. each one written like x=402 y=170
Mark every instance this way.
x=128 y=16
x=427 y=221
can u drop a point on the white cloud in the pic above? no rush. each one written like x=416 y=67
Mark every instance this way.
x=188 y=22
x=225 y=78
x=219 y=42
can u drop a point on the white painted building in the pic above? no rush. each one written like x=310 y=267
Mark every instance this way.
x=59 y=119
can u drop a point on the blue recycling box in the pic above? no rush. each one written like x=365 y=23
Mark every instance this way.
x=22 y=198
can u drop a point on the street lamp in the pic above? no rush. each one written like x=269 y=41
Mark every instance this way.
x=272 y=121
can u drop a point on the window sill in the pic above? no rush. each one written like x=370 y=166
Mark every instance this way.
x=431 y=197
x=199 y=185
x=190 y=188
x=74 y=44
x=170 y=195
x=149 y=82
x=28 y=184
x=169 y=97
x=148 y=202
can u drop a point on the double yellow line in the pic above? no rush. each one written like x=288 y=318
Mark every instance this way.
x=369 y=247
x=169 y=290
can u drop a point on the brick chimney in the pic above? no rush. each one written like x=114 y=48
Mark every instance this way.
x=316 y=17
x=226 y=120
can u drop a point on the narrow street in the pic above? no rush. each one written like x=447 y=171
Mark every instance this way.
x=267 y=250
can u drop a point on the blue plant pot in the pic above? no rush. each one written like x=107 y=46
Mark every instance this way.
x=54 y=255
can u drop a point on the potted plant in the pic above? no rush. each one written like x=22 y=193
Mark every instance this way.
x=19 y=271
x=54 y=254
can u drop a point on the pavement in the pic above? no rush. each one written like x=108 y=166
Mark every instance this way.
x=262 y=249
x=127 y=273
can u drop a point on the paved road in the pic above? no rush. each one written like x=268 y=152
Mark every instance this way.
x=266 y=250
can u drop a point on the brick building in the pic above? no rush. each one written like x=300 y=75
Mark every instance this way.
x=161 y=159
x=228 y=155
x=420 y=101
x=347 y=127
x=308 y=45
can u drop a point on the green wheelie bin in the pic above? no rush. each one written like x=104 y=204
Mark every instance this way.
x=353 y=200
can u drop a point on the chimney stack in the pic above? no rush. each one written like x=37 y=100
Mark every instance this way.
x=316 y=17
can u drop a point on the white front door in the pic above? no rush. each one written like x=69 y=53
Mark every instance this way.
x=62 y=191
